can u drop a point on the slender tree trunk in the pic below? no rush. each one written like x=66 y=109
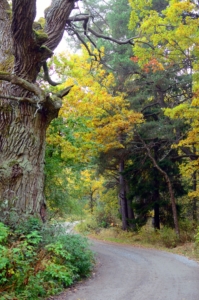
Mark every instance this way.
x=156 y=195
x=156 y=215
x=172 y=198
x=130 y=212
x=122 y=195
x=195 y=216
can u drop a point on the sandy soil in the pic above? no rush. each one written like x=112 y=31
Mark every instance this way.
x=130 y=273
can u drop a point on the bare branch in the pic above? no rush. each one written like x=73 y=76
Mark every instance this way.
x=86 y=17
x=128 y=41
x=47 y=76
x=150 y=105
x=85 y=45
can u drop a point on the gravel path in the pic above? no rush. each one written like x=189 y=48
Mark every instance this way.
x=130 y=273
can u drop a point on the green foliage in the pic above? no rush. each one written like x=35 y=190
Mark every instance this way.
x=81 y=257
x=28 y=226
x=3 y=232
x=166 y=236
x=169 y=237
x=32 y=268
x=97 y=221
x=197 y=237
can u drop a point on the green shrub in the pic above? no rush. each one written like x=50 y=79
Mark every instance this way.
x=4 y=231
x=88 y=225
x=32 y=268
x=149 y=235
x=82 y=257
x=197 y=238
x=168 y=237
x=187 y=230
x=96 y=221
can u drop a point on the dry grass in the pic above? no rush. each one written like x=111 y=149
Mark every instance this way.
x=163 y=240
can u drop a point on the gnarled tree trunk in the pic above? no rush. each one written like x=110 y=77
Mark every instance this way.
x=26 y=110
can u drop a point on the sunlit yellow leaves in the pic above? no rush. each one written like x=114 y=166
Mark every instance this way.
x=168 y=36
x=174 y=12
x=179 y=111
x=91 y=99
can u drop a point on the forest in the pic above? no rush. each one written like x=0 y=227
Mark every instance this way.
x=105 y=132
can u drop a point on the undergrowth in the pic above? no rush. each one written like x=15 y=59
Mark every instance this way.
x=165 y=238
x=37 y=261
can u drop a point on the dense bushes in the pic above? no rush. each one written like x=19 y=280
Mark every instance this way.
x=37 y=260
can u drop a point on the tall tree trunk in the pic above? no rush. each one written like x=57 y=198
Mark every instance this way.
x=130 y=212
x=22 y=148
x=156 y=195
x=122 y=195
x=25 y=109
x=169 y=184
x=194 y=209
x=156 y=215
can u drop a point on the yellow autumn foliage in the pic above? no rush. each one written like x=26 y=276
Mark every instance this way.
x=91 y=99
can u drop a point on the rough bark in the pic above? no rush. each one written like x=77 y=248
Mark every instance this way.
x=22 y=148
x=25 y=110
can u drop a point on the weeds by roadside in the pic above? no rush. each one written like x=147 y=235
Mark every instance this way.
x=37 y=261
x=164 y=239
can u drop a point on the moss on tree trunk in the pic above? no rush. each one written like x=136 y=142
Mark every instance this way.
x=25 y=109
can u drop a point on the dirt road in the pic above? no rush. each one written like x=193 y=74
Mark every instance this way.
x=130 y=273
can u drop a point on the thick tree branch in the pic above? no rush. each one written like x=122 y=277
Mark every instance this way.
x=5 y=34
x=24 y=12
x=150 y=105
x=19 y=99
x=41 y=95
x=24 y=84
x=56 y=18
x=189 y=153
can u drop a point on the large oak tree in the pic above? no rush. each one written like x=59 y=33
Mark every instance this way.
x=25 y=109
